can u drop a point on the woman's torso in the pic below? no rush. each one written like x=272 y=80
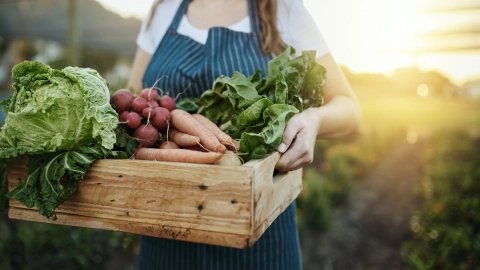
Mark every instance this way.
x=182 y=65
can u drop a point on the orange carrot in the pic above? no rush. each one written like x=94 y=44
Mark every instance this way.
x=169 y=145
x=195 y=148
x=221 y=136
x=182 y=139
x=234 y=146
x=186 y=123
x=178 y=155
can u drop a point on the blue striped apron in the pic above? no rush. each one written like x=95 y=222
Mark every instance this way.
x=182 y=65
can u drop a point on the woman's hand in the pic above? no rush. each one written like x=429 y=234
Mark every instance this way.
x=338 y=116
x=298 y=141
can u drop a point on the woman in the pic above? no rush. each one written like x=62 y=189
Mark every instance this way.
x=183 y=46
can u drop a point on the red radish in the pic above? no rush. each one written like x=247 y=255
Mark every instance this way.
x=147 y=134
x=133 y=120
x=122 y=100
x=168 y=103
x=161 y=118
x=152 y=104
x=149 y=94
x=138 y=104
x=148 y=112
x=123 y=116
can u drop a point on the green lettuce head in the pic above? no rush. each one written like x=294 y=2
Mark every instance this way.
x=56 y=110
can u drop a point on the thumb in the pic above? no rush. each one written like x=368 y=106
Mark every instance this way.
x=288 y=136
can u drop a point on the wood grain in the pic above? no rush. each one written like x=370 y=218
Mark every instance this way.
x=220 y=205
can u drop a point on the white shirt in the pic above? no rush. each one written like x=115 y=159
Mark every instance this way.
x=296 y=26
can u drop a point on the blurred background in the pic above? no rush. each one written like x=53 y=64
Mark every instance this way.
x=402 y=193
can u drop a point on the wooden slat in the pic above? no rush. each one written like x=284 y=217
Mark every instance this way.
x=161 y=193
x=220 y=205
x=272 y=194
x=161 y=231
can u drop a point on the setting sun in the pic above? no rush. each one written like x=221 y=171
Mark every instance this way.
x=379 y=36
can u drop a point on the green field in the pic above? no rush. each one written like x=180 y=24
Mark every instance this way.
x=400 y=109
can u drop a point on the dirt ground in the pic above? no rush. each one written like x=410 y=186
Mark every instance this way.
x=367 y=232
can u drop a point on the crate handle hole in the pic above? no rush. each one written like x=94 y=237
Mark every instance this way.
x=277 y=176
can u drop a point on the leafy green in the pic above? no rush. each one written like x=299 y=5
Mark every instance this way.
x=43 y=188
x=63 y=121
x=257 y=108
x=188 y=104
x=125 y=143
x=52 y=110
x=256 y=142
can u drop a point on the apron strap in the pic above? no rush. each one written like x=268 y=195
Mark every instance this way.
x=179 y=15
x=252 y=12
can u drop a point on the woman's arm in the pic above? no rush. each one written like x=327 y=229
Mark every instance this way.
x=140 y=63
x=340 y=115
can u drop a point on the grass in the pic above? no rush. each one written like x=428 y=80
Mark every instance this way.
x=387 y=118
x=446 y=229
x=409 y=110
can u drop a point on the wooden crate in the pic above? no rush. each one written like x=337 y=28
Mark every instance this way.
x=219 y=205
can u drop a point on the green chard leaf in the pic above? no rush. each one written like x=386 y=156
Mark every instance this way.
x=43 y=188
x=248 y=118
x=258 y=144
x=312 y=89
x=188 y=105
x=259 y=108
x=240 y=91
x=272 y=69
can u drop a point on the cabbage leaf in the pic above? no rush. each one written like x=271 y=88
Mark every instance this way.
x=63 y=121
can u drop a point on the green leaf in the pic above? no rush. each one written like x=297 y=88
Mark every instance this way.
x=259 y=108
x=43 y=189
x=312 y=88
x=240 y=91
x=125 y=142
x=256 y=145
x=248 y=118
x=273 y=66
x=188 y=105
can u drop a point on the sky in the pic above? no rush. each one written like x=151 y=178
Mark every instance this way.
x=375 y=35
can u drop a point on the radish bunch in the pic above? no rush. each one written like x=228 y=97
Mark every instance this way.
x=145 y=115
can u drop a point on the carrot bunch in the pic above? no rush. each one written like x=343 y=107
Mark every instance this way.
x=191 y=138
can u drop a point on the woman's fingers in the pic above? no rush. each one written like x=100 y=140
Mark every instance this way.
x=293 y=127
x=299 y=154
x=298 y=141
